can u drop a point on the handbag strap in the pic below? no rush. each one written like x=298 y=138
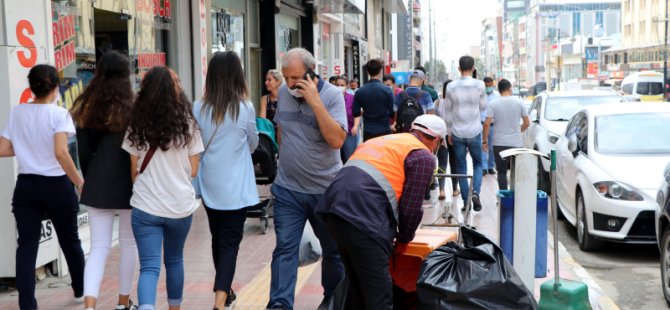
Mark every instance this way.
x=147 y=158
x=210 y=139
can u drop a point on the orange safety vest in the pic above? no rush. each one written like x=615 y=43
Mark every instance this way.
x=383 y=158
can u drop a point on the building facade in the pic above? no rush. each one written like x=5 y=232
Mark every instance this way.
x=562 y=38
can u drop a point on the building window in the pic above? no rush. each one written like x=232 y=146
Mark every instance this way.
x=576 y=23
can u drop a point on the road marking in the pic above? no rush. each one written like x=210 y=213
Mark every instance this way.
x=256 y=294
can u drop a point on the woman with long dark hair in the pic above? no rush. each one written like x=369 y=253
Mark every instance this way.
x=164 y=146
x=37 y=134
x=101 y=114
x=445 y=151
x=228 y=124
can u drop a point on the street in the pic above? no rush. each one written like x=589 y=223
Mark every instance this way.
x=629 y=274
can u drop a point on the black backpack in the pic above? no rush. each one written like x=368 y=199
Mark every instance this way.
x=408 y=110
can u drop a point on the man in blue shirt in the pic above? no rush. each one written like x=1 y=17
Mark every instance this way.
x=416 y=80
x=375 y=102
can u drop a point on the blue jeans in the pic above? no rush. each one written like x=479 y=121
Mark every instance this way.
x=153 y=235
x=291 y=210
x=461 y=148
x=348 y=148
x=488 y=160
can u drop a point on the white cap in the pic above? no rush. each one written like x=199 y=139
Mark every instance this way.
x=431 y=125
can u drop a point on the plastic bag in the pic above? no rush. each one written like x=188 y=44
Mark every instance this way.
x=310 y=248
x=473 y=276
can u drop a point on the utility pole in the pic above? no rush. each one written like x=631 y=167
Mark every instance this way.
x=665 y=55
x=431 y=60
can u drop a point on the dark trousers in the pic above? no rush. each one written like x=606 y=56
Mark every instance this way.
x=445 y=154
x=501 y=165
x=368 y=136
x=34 y=197
x=366 y=264
x=227 y=228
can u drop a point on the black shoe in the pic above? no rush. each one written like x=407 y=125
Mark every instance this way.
x=231 y=298
x=477 y=204
x=492 y=171
x=484 y=172
x=130 y=306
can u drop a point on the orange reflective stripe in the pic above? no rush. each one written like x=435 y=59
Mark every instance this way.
x=383 y=158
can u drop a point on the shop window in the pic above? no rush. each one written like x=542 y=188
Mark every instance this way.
x=228 y=32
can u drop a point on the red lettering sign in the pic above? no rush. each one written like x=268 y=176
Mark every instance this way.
x=24 y=29
x=148 y=60
x=337 y=70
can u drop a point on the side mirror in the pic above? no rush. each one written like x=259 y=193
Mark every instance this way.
x=533 y=116
x=572 y=143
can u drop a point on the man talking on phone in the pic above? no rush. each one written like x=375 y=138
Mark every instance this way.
x=312 y=124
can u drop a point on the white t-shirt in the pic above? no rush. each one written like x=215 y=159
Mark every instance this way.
x=31 y=128
x=164 y=188
x=507 y=112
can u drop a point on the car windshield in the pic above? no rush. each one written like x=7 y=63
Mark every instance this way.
x=644 y=133
x=563 y=108
x=649 y=88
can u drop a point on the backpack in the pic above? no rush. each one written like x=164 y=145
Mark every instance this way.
x=408 y=110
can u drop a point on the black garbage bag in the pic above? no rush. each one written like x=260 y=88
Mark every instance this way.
x=475 y=275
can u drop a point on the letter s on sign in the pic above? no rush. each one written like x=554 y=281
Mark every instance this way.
x=24 y=39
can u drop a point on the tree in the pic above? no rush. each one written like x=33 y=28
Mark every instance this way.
x=440 y=70
x=481 y=67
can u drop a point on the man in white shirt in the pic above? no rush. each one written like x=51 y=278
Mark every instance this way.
x=464 y=101
x=507 y=112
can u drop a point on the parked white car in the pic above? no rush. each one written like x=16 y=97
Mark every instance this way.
x=549 y=114
x=610 y=163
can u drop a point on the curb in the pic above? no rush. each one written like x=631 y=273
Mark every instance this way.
x=596 y=296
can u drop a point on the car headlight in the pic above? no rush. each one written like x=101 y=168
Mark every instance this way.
x=616 y=190
x=552 y=137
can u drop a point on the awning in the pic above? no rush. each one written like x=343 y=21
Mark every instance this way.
x=340 y=6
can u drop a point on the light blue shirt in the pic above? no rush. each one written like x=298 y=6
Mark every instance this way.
x=226 y=177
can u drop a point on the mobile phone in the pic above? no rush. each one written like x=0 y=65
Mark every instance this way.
x=309 y=75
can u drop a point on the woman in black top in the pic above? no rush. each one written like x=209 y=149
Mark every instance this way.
x=101 y=115
x=273 y=79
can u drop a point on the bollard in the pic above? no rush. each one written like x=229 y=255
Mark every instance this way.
x=523 y=182
x=506 y=203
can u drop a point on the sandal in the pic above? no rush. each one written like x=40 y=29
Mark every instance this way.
x=442 y=196
x=456 y=192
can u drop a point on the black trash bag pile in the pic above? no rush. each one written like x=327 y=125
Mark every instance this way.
x=475 y=275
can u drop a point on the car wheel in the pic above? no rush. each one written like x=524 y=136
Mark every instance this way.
x=584 y=238
x=665 y=264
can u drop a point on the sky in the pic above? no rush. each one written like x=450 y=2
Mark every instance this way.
x=458 y=25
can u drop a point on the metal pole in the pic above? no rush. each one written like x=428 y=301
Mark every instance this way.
x=665 y=54
x=554 y=208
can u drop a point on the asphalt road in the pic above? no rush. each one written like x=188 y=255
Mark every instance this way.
x=628 y=274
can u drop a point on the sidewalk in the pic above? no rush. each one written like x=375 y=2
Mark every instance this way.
x=252 y=279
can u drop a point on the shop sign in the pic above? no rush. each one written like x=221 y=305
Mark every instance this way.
x=592 y=70
x=159 y=8
x=356 y=56
x=149 y=60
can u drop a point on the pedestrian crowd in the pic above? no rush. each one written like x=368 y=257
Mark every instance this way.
x=356 y=163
